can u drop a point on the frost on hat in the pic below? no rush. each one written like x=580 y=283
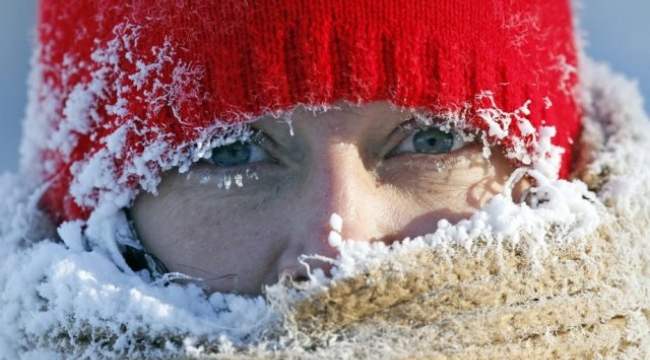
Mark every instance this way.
x=121 y=91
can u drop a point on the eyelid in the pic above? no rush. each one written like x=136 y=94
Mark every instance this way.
x=261 y=140
x=286 y=151
x=267 y=144
x=413 y=124
x=398 y=135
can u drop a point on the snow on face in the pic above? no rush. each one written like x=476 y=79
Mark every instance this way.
x=383 y=172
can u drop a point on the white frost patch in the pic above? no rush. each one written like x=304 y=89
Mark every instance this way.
x=336 y=222
x=71 y=232
x=336 y=225
x=529 y=148
x=335 y=239
x=42 y=111
x=626 y=154
x=547 y=157
x=568 y=71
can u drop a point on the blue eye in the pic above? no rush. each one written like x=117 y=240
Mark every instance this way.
x=431 y=140
x=237 y=153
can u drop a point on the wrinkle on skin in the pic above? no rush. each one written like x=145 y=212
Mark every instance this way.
x=338 y=161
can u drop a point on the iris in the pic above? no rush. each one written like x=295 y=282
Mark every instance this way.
x=433 y=141
x=235 y=154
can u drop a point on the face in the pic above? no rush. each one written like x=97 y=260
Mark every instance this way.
x=241 y=218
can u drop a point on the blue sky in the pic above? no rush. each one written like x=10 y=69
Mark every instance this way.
x=617 y=33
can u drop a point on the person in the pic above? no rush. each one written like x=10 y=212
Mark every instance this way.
x=324 y=180
x=332 y=118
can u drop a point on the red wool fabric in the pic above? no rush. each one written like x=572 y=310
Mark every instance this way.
x=257 y=56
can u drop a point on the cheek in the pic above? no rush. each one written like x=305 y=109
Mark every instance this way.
x=424 y=194
x=195 y=230
x=479 y=183
x=464 y=181
x=236 y=237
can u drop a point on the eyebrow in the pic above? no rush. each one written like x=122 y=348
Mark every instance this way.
x=270 y=126
x=391 y=117
x=385 y=121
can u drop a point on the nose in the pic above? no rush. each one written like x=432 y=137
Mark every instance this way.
x=337 y=182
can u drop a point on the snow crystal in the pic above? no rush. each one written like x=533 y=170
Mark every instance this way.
x=71 y=232
x=336 y=222
x=545 y=156
x=43 y=106
x=239 y=180
x=227 y=182
x=335 y=239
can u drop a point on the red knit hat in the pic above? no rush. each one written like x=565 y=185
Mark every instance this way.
x=122 y=90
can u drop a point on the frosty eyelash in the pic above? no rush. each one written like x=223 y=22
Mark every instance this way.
x=429 y=136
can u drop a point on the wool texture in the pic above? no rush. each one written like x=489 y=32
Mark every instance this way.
x=125 y=91
x=570 y=281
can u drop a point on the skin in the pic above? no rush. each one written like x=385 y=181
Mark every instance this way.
x=341 y=161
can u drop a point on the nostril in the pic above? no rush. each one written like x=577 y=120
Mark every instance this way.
x=290 y=275
x=300 y=278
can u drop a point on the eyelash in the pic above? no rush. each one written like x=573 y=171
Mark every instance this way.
x=258 y=152
x=417 y=124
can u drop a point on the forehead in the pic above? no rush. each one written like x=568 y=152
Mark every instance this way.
x=373 y=115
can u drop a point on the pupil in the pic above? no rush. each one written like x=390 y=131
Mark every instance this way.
x=433 y=141
x=232 y=155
